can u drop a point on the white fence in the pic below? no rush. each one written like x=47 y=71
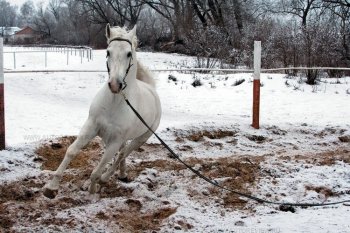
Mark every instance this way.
x=186 y=70
x=81 y=51
x=85 y=52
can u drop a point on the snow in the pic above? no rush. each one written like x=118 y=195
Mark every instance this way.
x=44 y=106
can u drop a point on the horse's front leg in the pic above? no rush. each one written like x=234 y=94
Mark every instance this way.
x=87 y=133
x=106 y=158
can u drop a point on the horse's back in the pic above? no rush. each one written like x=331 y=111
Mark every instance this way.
x=144 y=75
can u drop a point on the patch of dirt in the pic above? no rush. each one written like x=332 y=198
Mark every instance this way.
x=277 y=131
x=258 y=138
x=53 y=153
x=111 y=190
x=327 y=158
x=234 y=173
x=23 y=190
x=6 y=221
x=345 y=138
x=197 y=136
x=21 y=202
x=134 y=221
x=327 y=192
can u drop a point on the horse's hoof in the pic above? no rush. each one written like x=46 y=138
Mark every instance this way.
x=50 y=193
x=94 y=188
x=102 y=182
x=124 y=180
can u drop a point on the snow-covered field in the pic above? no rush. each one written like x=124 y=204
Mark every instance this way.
x=300 y=154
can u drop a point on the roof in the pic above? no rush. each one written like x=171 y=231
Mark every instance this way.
x=9 y=31
x=26 y=30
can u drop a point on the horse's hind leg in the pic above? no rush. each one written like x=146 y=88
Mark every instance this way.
x=87 y=133
x=120 y=160
x=95 y=177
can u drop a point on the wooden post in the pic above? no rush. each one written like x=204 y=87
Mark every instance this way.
x=2 y=100
x=256 y=84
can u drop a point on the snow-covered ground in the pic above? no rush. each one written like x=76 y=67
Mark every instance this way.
x=299 y=149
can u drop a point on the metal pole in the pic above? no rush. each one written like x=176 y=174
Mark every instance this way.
x=2 y=100
x=256 y=84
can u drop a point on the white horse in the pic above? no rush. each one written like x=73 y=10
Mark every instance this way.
x=110 y=117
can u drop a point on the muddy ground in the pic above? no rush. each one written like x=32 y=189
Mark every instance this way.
x=121 y=207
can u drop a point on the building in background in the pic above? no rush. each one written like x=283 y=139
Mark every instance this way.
x=28 y=35
x=8 y=33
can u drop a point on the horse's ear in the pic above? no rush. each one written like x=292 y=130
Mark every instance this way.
x=108 y=31
x=133 y=31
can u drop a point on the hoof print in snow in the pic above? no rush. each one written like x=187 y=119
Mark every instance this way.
x=240 y=223
x=287 y=208
x=257 y=138
x=49 y=193
x=172 y=78
x=124 y=180
x=56 y=145
x=134 y=204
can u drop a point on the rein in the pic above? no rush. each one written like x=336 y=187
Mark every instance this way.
x=131 y=58
x=216 y=184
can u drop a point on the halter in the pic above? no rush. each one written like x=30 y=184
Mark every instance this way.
x=130 y=65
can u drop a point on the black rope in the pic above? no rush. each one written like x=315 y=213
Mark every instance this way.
x=120 y=39
x=260 y=200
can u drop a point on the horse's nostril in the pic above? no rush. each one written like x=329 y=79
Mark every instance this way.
x=109 y=84
x=120 y=86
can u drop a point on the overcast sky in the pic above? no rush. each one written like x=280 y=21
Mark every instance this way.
x=20 y=2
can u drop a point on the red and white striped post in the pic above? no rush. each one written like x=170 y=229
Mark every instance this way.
x=256 y=84
x=2 y=101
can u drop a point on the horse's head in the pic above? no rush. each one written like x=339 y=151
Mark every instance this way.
x=120 y=56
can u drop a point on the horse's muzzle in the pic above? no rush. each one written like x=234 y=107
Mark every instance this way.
x=115 y=86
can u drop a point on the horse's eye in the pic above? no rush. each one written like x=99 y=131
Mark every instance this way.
x=129 y=54
x=107 y=53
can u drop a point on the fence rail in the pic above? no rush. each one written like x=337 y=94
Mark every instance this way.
x=80 y=51
x=184 y=70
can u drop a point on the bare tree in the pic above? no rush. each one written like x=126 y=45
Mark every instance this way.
x=8 y=15
x=341 y=9
x=44 y=21
x=299 y=8
x=27 y=11
x=177 y=12
x=54 y=7
x=115 y=12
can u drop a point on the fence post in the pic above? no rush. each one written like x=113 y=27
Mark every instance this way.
x=256 y=84
x=14 y=60
x=45 y=59
x=2 y=100
x=67 y=58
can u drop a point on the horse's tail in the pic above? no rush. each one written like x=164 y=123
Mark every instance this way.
x=144 y=75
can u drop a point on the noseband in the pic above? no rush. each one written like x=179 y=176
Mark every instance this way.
x=129 y=66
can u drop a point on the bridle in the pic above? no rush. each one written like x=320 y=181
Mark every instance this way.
x=131 y=58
